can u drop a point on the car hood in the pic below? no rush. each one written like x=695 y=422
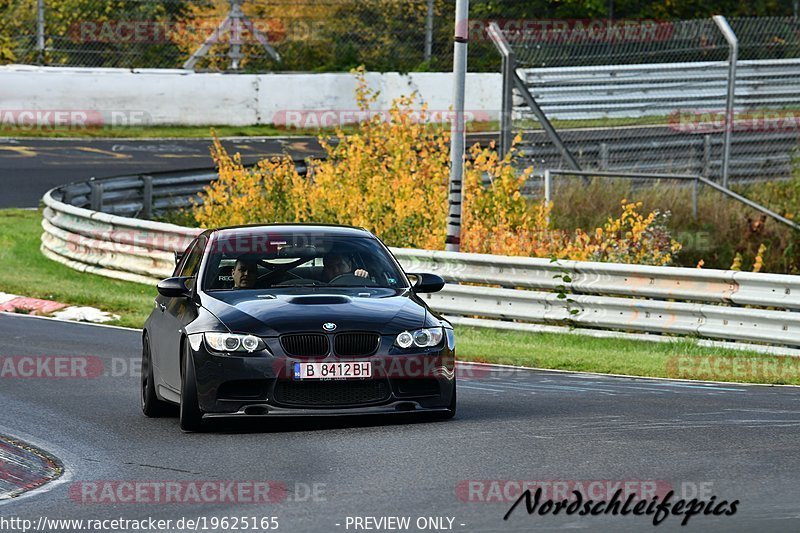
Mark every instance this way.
x=276 y=314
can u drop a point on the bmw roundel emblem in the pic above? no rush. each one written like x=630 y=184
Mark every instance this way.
x=329 y=326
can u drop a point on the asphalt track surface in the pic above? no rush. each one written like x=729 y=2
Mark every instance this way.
x=735 y=442
x=30 y=167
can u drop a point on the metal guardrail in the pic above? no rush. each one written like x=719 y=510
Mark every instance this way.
x=109 y=244
x=659 y=89
x=662 y=91
x=755 y=156
x=509 y=292
x=672 y=96
x=142 y=195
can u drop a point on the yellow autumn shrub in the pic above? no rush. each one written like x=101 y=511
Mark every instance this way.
x=391 y=177
x=271 y=191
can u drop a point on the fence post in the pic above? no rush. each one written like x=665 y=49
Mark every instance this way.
x=515 y=81
x=733 y=43
x=507 y=102
x=429 y=32
x=40 y=31
x=147 y=197
x=695 y=188
x=95 y=195
x=548 y=191
x=706 y=156
x=603 y=156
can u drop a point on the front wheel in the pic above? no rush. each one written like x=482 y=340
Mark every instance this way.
x=451 y=409
x=151 y=405
x=191 y=417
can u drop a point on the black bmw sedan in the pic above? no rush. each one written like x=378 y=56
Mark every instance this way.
x=286 y=320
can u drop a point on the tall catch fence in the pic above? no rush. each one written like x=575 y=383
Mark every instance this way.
x=720 y=98
x=238 y=35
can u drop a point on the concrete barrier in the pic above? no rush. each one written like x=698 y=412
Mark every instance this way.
x=161 y=97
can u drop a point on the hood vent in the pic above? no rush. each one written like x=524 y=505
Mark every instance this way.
x=320 y=299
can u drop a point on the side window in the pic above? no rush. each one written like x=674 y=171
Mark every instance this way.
x=191 y=263
x=182 y=262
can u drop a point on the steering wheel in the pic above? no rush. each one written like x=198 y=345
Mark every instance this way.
x=351 y=279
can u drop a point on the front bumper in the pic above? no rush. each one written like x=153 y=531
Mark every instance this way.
x=265 y=410
x=263 y=384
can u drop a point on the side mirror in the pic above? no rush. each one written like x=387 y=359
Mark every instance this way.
x=174 y=288
x=427 y=283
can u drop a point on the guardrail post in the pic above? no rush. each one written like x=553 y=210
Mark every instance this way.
x=603 y=156
x=95 y=195
x=147 y=197
x=733 y=42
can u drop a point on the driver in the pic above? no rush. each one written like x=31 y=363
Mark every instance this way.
x=336 y=264
x=245 y=273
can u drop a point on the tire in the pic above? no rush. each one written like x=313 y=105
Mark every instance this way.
x=191 y=417
x=451 y=409
x=151 y=405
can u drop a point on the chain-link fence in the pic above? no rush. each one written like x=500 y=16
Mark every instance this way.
x=648 y=96
x=248 y=35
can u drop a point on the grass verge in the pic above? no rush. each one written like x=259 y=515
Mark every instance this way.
x=269 y=130
x=203 y=132
x=27 y=272
x=683 y=360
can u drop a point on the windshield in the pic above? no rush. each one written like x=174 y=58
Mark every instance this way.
x=268 y=261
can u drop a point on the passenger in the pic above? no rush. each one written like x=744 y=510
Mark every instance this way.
x=245 y=274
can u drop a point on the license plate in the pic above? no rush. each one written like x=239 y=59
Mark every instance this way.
x=337 y=370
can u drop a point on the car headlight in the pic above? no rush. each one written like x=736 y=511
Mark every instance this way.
x=421 y=338
x=232 y=342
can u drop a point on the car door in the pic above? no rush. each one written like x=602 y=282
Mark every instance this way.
x=160 y=347
x=175 y=314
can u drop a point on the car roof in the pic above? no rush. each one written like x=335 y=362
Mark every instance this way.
x=291 y=228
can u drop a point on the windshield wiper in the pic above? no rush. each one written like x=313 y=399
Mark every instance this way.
x=357 y=287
